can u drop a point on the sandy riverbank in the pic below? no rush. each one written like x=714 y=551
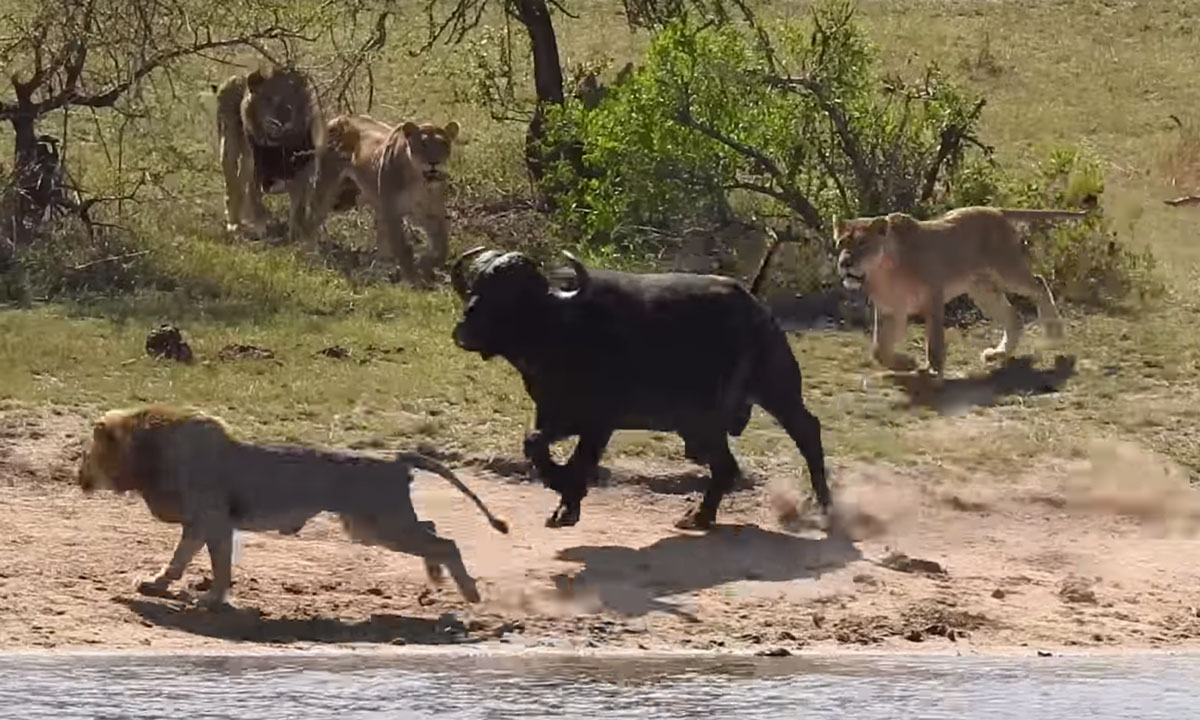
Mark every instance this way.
x=1093 y=553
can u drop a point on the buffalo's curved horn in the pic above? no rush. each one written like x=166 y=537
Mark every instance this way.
x=457 y=281
x=582 y=277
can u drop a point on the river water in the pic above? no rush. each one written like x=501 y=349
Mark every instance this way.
x=351 y=686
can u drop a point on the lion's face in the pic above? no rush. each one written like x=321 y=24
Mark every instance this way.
x=860 y=246
x=277 y=105
x=429 y=148
x=103 y=461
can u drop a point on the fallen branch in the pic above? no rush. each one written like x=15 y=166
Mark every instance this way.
x=111 y=258
x=1185 y=200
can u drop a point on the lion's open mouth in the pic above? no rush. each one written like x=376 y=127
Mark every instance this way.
x=852 y=280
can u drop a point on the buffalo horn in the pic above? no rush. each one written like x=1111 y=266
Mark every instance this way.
x=457 y=281
x=582 y=278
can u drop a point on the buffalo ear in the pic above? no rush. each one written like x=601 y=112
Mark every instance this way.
x=452 y=130
x=409 y=129
x=254 y=80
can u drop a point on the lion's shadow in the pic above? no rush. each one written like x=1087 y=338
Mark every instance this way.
x=247 y=625
x=955 y=395
x=634 y=581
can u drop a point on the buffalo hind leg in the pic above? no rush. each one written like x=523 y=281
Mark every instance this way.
x=784 y=402
x=724 y=472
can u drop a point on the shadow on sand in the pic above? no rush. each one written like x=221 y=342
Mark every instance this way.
x=957 y=395
x=248 y=625
x=632 y=581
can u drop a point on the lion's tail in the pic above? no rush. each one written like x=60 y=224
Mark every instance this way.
x=421 y=462
x=1024 y=215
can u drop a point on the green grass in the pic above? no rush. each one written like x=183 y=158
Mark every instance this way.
x=1054 y=72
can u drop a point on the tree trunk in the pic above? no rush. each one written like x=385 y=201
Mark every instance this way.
x=18 y=206
x=547 y=76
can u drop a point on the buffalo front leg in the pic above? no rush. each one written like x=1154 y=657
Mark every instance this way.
x=189 y=544
x=576 y=474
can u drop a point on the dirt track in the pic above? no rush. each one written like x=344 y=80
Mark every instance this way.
x=1096 y=553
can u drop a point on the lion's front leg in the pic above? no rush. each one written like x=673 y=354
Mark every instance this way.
x=392 y=236
x=890 y=329
x=935 y=335
x=436 y=223
x=254 y=213
x=299 y=192
x=220 y=553
x=189 y=544
x=230 y=156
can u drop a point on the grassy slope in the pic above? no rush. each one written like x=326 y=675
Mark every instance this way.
x=1104 y=73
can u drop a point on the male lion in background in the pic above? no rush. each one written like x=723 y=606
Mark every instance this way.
x=401 y=172
x=909 y=266
x=269 y=129
x=191 y=472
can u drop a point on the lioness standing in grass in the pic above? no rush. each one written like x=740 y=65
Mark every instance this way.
x=401 y=172
x=908 y=266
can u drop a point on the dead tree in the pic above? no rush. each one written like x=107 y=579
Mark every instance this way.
x=92 y=54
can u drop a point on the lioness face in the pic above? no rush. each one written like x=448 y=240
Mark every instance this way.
x=429 y=148
x=100 y=466
x=860 y=245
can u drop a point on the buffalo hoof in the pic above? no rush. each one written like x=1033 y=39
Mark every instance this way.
x=563 y=516
x=696 y=519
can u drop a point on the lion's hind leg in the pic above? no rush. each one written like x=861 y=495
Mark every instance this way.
x=1024 y=281
x=995 y=305
x=420 y=540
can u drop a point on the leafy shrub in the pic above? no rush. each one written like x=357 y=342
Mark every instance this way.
x=721 y=120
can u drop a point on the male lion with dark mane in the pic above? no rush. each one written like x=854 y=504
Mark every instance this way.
x=401 y=172
x=269 y=130
x=191 y=472
x=914 y=267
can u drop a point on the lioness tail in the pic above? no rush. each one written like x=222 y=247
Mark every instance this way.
x=421 y=462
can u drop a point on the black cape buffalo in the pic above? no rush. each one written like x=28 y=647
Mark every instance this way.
x=671 y=352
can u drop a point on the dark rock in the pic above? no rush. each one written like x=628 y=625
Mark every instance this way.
x=166 y=341
x=774 y=652
x=900 y=562
x=337 y=352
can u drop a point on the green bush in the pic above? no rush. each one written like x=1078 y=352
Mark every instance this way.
x=716 y=123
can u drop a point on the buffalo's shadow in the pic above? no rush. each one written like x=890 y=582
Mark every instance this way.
x=1014 y=376
x=632 y=581
x=247 y=625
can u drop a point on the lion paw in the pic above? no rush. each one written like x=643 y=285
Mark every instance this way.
x=153 y=587
x=696 y=519
x=900 y=362
x=434 y=572
x=993 y=355
x=215 y=601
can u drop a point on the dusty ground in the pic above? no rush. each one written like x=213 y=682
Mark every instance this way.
x=1096 y=551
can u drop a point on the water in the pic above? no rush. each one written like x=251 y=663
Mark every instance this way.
x=350 y=686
